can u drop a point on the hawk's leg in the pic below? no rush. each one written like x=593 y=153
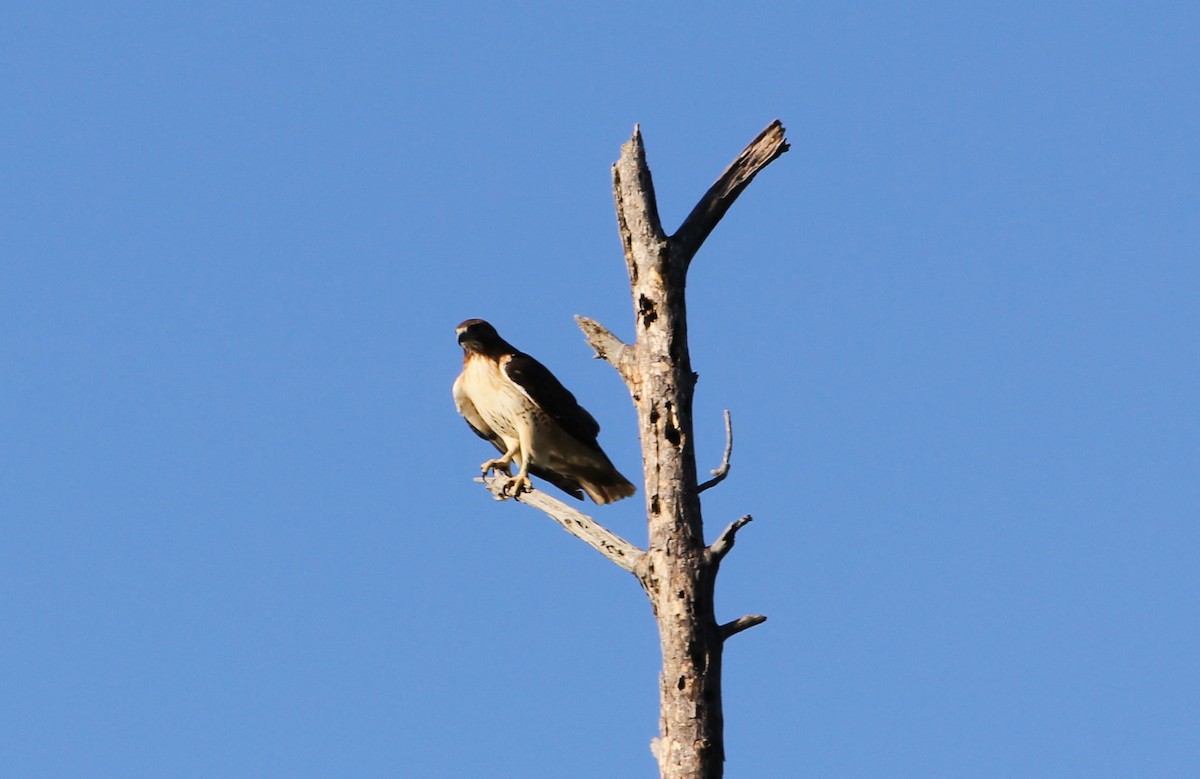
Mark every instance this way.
x=501 y=464
x=520 y=483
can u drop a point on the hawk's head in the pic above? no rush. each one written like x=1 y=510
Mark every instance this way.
x=476 y=335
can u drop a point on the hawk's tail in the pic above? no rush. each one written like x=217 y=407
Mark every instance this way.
x=606 y=486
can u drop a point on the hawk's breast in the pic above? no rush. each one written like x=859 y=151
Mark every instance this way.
x=498 y=400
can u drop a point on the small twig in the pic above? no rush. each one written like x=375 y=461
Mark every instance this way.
x=574 y=522
x=608 y=347
x=740 y=624
x=724 y=542
x=720 y=473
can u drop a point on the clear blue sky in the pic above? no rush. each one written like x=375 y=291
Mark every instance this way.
x=956 y=324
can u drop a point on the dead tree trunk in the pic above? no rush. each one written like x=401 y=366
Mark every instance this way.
x=678 y=570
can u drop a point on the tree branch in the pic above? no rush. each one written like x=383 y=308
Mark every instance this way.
x=724 y=542
x=740 y=624
x=609 y=348
x=763 y=150
x=575 y=522
x=637 y=210
x=720 y=473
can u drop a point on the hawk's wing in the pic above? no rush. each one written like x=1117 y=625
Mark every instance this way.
x=468 y=411
x=548 y=393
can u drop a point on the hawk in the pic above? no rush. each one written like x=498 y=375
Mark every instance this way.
x=514 y=401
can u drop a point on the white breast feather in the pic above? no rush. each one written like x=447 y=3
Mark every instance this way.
x=500 y=403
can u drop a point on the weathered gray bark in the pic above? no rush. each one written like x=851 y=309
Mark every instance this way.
x=677 y=570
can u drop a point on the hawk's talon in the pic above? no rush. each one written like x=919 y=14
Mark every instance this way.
x=500 y=466
x=517 y=485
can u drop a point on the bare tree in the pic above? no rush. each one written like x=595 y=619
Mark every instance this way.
x=677 y=570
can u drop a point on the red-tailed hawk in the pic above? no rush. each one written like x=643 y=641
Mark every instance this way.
x=512 y=400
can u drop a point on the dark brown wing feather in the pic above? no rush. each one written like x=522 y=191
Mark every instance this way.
x=552 y=397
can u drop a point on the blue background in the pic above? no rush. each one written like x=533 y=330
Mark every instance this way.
x=956 y=325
